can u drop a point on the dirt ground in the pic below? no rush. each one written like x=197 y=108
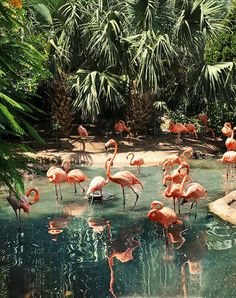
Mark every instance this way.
x=91 y=151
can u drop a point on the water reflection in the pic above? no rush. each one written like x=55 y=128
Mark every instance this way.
x=20 y=283
x=122 y=249
x=188 y=258
x=88 y=260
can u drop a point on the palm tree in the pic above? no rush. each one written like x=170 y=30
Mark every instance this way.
x=19 y=65
x=136 y=54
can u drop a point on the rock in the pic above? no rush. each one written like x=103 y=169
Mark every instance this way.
x=225 y=207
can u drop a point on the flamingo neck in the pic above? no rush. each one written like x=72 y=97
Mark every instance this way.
x=108 y=169
x=36 y=196
x=132 y=154
x=167 y=191
x=181 y=189
x=157 y=205
x=66 y=166
x=185 y=152
x=115 y=152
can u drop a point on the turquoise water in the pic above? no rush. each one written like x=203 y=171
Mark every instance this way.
x=103 y=251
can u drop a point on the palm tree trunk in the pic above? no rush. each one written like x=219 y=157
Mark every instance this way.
x=141 y=110
x=61 y=102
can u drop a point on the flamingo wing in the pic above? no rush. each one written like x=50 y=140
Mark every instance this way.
x=97 y=183
x=76 y=176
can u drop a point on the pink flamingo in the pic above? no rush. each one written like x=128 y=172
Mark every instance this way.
x=19 y=202
x=177 y=128
x=124 y=179
x=164 y=215
x=112 y=143
x=176 y=174
x=229 y=157
x=120 y=127
x=97 y=184
x=204 y=119
x=138 y=161
x=193 y=191
x=174 y=190
x=82 y=131
x=177 y=158
x=57 y=176
x=227 y=129
x=230 y=142
x=191 y=129
x=74 y=176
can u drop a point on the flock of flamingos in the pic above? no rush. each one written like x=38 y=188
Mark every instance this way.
x=179 y=185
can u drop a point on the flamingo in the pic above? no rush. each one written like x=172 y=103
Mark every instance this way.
x=164 y=215
x=193 y=191
x=174 y=190
x=74 y=176
x=19 y=202
x=230 y=158
x=176 y=174
x=82 y=131
x=120 y=127
x=57 y=176
x=204 y=119
x=124 y=179
x=227 y=129
x=177 y=128
x=230 y=142
x=113 y=143
x=176 y=158
x=191 y=129
x=96 y=184
x=138 y=161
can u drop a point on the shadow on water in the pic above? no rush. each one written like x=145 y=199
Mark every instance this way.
x=78 y=250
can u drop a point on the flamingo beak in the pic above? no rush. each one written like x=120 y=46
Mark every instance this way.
x=106 y=147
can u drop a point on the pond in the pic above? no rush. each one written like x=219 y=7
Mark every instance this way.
x=103 y=251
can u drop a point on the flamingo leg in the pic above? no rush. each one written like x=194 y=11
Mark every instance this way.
x=179 y=206
x=137 y=196
x=174 y=202
x=75 y=188
x=138 y=167
x=56 y=192
x=191 y=206
x=123 y=198
x=227 y=174
x=91 y=203
x=17 y=219
x=196 y=211
x=82 y=188
x=60 y=191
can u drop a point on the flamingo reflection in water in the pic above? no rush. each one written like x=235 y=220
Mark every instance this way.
x=121 y=248
x=189 y=255
x=61 y=221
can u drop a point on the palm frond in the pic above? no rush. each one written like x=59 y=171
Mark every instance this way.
x=96 y=89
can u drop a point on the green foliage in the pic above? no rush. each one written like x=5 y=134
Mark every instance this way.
x=158 y=44
x=20 y=68
x=223 y=48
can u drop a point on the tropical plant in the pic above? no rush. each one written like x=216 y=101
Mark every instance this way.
x=20 y=65
x=104 y=46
